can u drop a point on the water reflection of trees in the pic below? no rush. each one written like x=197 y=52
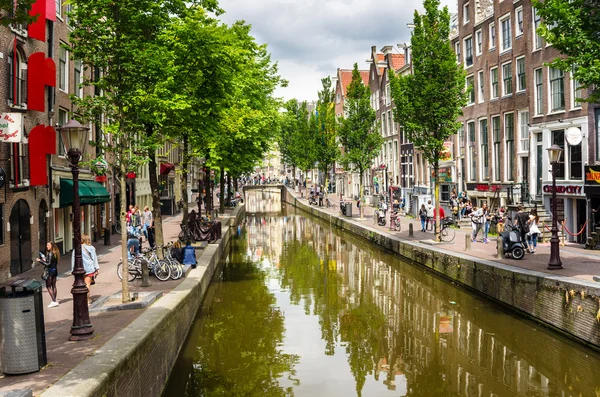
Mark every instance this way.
x=238 y=350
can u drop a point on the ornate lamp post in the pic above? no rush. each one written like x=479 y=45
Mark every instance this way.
x=554 y=263
x=74 y=136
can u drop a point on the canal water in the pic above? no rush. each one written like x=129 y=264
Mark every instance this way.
x=299 y=309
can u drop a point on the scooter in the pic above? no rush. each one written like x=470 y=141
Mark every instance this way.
x=343 y=207
x=312 y=200
x=511 y=241
x=380 y=216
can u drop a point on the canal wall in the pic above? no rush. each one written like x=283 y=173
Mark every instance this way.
x=568 y=305
x=138 y=360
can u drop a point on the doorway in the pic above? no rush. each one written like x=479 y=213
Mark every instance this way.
x=538 y=165
x=581 y=220
x=43 y=222
x=20 y=238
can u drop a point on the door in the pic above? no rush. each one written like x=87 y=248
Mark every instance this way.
x=539 y=168
x=43 y=222
x=581 y=220
x=20 y=238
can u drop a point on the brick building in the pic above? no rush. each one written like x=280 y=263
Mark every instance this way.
x=517 y=108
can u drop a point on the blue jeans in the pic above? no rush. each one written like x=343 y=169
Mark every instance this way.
x=423 y=220
x=486 y=229
x=533 y=238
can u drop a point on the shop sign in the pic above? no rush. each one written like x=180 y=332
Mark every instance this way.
x=11 y=127
x=339 y=170
x=446 y=154
x=445 y=174
x=131 y=175
x=574 y=136
x=592 y=175
x=101 y=178
x=564 y=189
x=483 y=187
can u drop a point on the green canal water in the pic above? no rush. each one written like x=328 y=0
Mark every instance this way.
x=298 y=308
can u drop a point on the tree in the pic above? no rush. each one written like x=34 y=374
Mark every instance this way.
x=327 y=147
x=17 y=12
x=358 y=131
x=573 y=28
x=429 y=101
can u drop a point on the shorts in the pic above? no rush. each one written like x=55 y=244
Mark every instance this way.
x=90 y=274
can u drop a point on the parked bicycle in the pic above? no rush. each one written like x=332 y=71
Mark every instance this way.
x=160 y=268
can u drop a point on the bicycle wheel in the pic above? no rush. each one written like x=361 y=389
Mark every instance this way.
x=118 y=227
x=448 y=234
x=132 y=273
x=162 y=270
x=176 y=270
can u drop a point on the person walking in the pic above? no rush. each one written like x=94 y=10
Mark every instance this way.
x=151 y=234
x=476 y=222
x=485 y=225
x=430 y=214
x=522 y=222
x=50 y=261
x=423 y=217
x=534 y=231
x=90 y=263
x=147 y=220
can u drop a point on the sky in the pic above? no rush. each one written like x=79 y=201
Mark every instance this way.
x=310 y=39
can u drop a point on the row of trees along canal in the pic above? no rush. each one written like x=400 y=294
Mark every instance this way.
x=170 y=70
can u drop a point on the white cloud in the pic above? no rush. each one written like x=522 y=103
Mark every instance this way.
x=310 y=39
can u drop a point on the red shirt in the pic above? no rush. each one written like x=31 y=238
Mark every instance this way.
x=442 y=213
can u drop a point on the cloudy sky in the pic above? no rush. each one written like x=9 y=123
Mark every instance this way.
x=310 y=39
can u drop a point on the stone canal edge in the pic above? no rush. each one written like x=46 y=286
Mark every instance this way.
x=568 y=305
x=138 y=360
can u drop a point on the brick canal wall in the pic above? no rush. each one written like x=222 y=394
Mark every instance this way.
x=568 y=305
x=138 y=360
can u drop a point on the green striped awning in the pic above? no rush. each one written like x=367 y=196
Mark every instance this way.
x=90 y=192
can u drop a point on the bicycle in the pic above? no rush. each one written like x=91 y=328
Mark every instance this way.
x=176 y=267
x=134 y=268
x=160 y=267
x=447 y=234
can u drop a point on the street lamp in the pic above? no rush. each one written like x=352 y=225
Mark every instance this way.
x=554 y=263
x=74 y=136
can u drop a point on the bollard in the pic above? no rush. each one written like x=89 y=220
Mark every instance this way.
x=410 y=230
x=145 y=274
x=467 y=242
x=499 y=248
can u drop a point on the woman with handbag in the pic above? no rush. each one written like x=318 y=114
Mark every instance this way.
x=90 y=263
x=50 y=262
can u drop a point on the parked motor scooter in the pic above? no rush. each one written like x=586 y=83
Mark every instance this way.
x=511 y=241
x=380 y=214
x=312 y=200
x=343 y=207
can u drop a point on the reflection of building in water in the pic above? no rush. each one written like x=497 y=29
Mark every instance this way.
x=262 y=200
x=476 y=353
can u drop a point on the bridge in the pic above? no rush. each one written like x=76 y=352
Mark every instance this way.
x=264 y=198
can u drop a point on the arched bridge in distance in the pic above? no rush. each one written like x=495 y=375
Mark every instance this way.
x=263 y=198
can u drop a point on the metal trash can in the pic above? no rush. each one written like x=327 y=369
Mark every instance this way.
x=349 y=209
x=22 y=333
x=106 y=236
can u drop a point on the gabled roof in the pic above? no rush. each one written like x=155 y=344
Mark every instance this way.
x=345 y=78
x=380 y=58
x=397 y=61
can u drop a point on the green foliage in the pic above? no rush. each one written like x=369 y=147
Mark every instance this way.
x=429 y=101
x=573 y=26
x=327 y=149
x=17 y=12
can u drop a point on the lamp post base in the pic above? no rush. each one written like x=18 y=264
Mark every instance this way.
x=83 y=332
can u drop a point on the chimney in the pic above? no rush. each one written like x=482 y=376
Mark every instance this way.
x=387 y=50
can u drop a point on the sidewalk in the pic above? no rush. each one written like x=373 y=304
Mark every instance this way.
x=577 y=262
x=64 y=355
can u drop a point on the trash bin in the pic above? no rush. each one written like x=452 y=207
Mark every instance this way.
x=106 y=236
x=349 y=209
x=23 y=337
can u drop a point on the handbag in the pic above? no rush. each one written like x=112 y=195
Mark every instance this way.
x=45 y=274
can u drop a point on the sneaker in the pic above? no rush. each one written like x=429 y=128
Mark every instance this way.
x=485 y=240
x=473 y=240
x=53 y=304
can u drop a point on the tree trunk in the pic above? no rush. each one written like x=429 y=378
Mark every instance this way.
x=235 y=184
x=184 y=175
x=436 y=168
x=207 y=191
x=228 y=189
x=123 y=198
x=156 y=212
x=360 y=195
x=222 y=188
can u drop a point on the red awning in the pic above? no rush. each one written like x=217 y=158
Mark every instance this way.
x=165 y=168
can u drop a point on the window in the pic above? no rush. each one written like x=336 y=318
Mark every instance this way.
x=509 y=134
x=471 y=89
x=468 y=51
x=479 y=42
x=471 y=151
x=480 y=94
x=494 y=82
x=63 y=69
x=575 y=166
x=539 y=92
x=496 y=138
x=507 y=79
x=505 y=33
x=524 y=131
x=519 y=21
x=390 y=122
x=483 y=151
x=558 y=138
x=538 y=42
x=338 y=98
x=59 y=8
x=388 y=97
x=457 y=51
x=68 y=11
x=383 y=124
x=62 y=120
x=557 y=89
x=521 y=81
x=492 y=36
x=17 y=164
x=78 y=78
x=577 y=90
x=466 y=17
x=17 y=85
